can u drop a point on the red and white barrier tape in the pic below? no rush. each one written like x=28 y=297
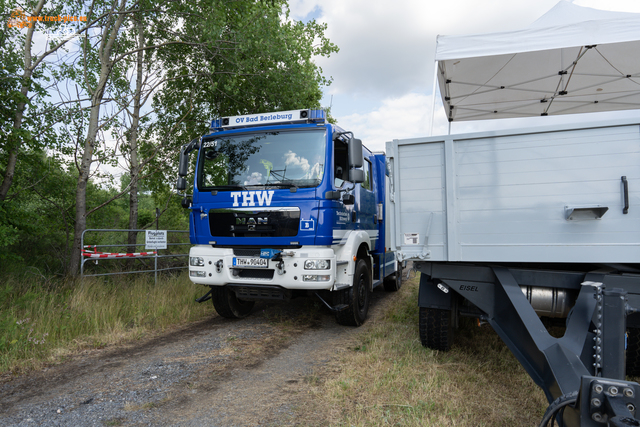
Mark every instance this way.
x=87 y=254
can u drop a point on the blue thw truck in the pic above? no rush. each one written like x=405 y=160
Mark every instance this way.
x=286 y=204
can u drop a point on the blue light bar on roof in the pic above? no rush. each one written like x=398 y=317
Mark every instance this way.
x=265 y=119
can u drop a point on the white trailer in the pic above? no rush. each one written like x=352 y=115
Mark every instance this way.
x=515 y=226
x=511 y=227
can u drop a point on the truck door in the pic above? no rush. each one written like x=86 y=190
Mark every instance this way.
x=366 y=208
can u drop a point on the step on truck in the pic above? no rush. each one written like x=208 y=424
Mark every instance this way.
x=286 y=204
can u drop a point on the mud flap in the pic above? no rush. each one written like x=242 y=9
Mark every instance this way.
x=432 y=295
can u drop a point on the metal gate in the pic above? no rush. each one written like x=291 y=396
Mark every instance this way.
x=118 y=251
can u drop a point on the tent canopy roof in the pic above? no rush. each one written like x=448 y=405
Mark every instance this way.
x=572 y=60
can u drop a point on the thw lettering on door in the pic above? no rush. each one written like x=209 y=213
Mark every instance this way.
x=250 y=198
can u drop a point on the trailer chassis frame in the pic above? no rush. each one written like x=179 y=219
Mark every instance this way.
x=582 y=373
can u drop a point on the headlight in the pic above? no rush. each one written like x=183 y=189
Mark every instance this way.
x=317 y=264
x=197 y=273
x=196 y=261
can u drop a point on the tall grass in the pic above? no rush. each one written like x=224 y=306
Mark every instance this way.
x=388 y=378
x=43 y=322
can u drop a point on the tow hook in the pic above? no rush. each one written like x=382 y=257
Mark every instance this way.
x=336 y=309
x=280 y=267
x=205 y=297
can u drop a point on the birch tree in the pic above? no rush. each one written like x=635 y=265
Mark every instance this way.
x=26 y=70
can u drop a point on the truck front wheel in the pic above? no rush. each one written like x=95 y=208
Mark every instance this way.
x=228 y=305
x=356 y=298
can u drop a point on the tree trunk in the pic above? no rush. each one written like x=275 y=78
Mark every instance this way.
x=133 y=143
x=84 y=171
x=9 y=173
x=109 y=36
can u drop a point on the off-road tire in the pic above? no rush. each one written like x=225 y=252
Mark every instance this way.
x=356 y=298
x=393 y=283
x=436 y=331
x=633 y=352
x=228 y=305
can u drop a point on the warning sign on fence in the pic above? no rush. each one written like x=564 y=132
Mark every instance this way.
x=156 y=239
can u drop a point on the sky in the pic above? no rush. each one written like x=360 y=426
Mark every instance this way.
x=383 y=75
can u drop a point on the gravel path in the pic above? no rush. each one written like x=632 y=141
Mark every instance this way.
x=216 y=372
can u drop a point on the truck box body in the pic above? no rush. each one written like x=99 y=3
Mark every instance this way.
x=552 y=195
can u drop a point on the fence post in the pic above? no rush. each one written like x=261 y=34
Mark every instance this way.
x=155 y=268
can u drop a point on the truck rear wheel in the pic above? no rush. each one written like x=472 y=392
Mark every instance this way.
x=228 y=305
x=436 y=331
x=633 y=352
x=394 y=282
x=356 y=298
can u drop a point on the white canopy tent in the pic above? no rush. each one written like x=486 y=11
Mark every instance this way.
x=572 y=60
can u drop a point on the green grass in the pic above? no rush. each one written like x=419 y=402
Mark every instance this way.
x=385 y=377
x=389 y=378
x=43 y=322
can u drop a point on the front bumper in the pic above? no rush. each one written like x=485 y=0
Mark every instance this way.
x=223 y=267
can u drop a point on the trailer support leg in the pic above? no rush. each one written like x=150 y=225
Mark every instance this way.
x=582 y=373
x=539 y=353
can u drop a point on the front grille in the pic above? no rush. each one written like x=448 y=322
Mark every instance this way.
x=276 y=222
x=252 y=252
x=249 y=273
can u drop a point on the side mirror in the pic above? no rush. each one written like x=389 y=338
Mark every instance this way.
x=181 y=185
x=355 y=153
x=356 y=175
x=183 y=164
x=186 y=202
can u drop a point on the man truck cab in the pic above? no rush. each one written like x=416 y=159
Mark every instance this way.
x=286 y=204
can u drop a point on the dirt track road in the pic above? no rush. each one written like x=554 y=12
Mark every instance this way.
x=217 y=372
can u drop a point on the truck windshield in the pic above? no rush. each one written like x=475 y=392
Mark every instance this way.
x=270 y=159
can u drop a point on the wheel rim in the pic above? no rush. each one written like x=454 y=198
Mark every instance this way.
x=362 y=293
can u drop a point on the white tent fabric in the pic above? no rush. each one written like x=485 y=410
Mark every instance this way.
x=572 y=60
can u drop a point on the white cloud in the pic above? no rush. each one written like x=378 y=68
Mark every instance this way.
x=397 y=118
x=387 y=51
x=300 y=9
x=385 y=65
x=292 y=159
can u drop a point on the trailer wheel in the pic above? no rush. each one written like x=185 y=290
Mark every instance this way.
x=394 y=282
x=356 y=298
x=633 y=352
x=228 y=305
x=436 y=331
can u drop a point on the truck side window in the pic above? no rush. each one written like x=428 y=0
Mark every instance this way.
x=367 y=175
x=341 y=166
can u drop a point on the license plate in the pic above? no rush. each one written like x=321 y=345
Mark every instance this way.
x=251 y=262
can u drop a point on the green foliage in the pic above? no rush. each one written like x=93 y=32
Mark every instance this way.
x=9 y=234
x=252 y=59
x=202 y=59
x=38 y=318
